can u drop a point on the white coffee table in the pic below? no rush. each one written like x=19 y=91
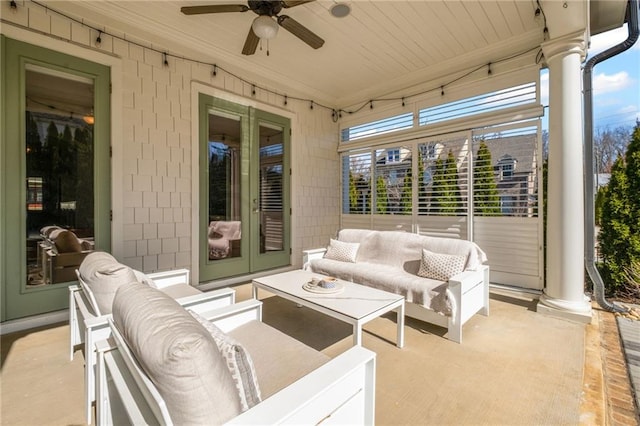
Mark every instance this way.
x=356 y=304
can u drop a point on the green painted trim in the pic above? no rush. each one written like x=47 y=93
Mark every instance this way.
x=262 y=261
x=210 y=270
x=250 y=260
x=18 y=301
x=3 y=166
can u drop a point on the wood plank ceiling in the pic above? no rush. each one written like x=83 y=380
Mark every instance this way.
x=380 y=47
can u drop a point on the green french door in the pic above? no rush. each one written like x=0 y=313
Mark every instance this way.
x=55 y=174
x=245 y=209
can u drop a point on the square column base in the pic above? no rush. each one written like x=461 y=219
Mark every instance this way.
x=583 y=317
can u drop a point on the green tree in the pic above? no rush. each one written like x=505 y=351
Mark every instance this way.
x=620 y=222
x=422 y=187
x=486 y=201
x=83 y=146
x=450 y=202
x=353 y=194
x=437 y=186
x=381 y=196
x=50 y=181
x=406 y=196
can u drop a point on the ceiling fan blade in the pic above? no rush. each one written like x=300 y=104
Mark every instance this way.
x=292 y=3
x=251 y=43
x=300 y=31
x=213 y=8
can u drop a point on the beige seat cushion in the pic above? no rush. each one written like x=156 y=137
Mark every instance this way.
x=177 y=291
x=179 y=355
x=279 y=360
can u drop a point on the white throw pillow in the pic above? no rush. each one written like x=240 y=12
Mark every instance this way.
x=344 y=252
x=439 y=266
x=238 y=361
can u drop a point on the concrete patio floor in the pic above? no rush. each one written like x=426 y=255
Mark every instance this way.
x=514 y=367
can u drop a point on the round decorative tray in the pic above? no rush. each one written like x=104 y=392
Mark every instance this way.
x=325 y=286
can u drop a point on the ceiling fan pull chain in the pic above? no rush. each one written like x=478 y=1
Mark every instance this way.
x=267 y=47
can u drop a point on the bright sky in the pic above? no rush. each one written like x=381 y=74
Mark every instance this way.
x=616 y=83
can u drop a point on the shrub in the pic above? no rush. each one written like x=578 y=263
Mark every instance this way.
x=620 y=221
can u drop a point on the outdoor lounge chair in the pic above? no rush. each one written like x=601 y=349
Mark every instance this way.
x=282 y=380
x=88 y=323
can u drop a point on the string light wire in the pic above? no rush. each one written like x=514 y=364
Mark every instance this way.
x=336 y=113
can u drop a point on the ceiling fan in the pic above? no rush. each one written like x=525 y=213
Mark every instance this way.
x=264 y=26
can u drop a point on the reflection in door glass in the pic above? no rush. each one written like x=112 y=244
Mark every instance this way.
x=271 y=184
x=59 y=174
x=224 y=231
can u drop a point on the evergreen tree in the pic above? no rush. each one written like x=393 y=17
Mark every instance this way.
x=83 y=147
x=50 y=180
x=437 y=187
x=406 y=196
x=353 y=194
x=450 y=195
x=422 y=187
x=381 y=196
x=486 y=201
x=620 y=233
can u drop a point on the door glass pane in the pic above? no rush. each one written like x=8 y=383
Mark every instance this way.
x=224 y=233
x=271 y=185
x=59 y=174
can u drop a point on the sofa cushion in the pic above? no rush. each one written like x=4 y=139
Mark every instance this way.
x=279 y=359
x=238 y=362
x=103 y=275
x=344 y=252
x=440 y=266
x=426 y=292
x=67 y=242
x=179 y=355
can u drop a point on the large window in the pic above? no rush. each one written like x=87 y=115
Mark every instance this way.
x=467 y=168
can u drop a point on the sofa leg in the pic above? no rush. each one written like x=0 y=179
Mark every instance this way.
x=455 y=332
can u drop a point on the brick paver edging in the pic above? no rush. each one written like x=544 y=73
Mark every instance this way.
x=620 y=402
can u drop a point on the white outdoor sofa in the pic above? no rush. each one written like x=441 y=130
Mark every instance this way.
x=166 y=366
x=444 y=280
x=88 y=324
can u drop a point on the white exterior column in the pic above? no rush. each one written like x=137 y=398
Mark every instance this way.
x=564 y=293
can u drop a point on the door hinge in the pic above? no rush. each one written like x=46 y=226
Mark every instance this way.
x=110 y=88
x=290 y=211
x=110 y=151
x=110 y=215
x=289 y=131
x=290 y=251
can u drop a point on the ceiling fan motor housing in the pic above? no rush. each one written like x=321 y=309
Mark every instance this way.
x=269 y=8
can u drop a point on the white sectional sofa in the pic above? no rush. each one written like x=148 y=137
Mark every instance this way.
x=444 y=280
x=90 y=303
x=165 y=365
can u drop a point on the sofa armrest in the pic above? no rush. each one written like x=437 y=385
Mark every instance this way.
x=342 y=391
x=168 y=278
x=230 y=317
x=467 y=280
x=309 y=255
x=209 y=300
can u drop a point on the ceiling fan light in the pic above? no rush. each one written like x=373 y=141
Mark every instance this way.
x=265 y=27
x=89 y=118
